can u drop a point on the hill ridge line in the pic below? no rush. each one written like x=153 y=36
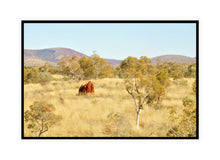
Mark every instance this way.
x=53 y=55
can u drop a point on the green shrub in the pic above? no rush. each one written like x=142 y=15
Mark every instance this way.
x=186 y=126
x=194 y=87
x=44 y=77
x=35 y=75
x=41 y=117
x=187 y=101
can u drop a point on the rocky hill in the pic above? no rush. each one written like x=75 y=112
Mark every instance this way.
x=53 y=56
x=173 y=58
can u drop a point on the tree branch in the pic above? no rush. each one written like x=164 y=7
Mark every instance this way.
x=42 y=128
x=145 y=99
x=42 y=125
x=44 y=131
x=37 y=123
x=132 y=96
x=135 y=83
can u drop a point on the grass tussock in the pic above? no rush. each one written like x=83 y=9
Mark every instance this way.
x=93 y=116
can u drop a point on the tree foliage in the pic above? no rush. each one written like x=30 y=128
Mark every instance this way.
x=71 y=67
x=95 y=67
x=162 y=77
x=192 y=70
x=99 y=64
x=87 y=67
x=107 y=71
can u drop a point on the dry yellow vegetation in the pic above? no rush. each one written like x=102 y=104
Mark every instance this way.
x=88 y=116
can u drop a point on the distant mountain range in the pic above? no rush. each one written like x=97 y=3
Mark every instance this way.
x=53 y=55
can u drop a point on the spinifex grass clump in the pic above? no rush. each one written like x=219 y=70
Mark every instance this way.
x=117 y=126
x=41 y=117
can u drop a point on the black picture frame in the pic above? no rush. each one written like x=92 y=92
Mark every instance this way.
x=111 y=21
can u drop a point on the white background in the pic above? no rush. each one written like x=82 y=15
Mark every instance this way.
x=11 y=14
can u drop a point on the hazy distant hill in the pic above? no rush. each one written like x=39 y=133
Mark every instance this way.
x=53 y=55
x=173 y=58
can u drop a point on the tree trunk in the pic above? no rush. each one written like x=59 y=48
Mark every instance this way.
x=138 y=117
x=96 y=75
x=39 y=133
x=96 y=72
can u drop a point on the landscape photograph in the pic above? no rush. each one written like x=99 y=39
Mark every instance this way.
x=112 y=79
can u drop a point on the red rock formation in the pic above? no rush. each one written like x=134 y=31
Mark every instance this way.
x=87 y=88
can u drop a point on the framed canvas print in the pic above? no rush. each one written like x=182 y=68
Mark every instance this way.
x=108 y=79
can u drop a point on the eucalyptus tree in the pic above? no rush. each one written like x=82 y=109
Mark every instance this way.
x=141 y=83
x=71 y=67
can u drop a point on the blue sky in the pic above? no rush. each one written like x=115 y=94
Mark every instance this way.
x=114 y=40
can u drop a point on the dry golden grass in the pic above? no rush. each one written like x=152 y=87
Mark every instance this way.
x=86 y=116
